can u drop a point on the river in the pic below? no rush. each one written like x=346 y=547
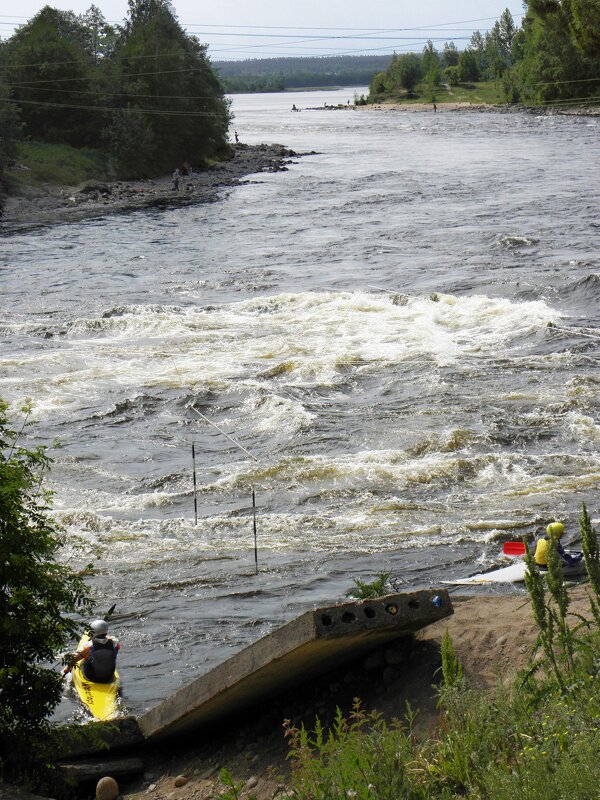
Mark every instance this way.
x=402 y=329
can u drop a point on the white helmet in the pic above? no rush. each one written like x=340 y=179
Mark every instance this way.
x=99 y=627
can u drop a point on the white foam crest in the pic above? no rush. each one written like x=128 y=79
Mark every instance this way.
x=141 y=542
x=271 y=413
x=305 y=338
x=367 y=468
x=583 y=428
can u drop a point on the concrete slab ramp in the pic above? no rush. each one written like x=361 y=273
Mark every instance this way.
x=312 y=644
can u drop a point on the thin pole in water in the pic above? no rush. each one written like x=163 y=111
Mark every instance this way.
x=195 y=492
x=255 y=540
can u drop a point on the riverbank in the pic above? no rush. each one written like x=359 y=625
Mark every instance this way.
x=505 y=108
x=49 y=204
x=493 y=637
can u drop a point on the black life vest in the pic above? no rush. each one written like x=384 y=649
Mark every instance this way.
x=100 y=666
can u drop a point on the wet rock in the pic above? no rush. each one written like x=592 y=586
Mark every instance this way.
x=181 y=780
x=107 y=789
x=251 y=783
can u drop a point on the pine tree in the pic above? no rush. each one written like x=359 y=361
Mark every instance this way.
x=172 y=106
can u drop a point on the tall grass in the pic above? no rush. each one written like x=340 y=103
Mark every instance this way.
x=537 y=737
x=58 y=164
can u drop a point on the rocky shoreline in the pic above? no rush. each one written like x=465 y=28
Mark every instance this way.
x=507 y=108
x=51 y=204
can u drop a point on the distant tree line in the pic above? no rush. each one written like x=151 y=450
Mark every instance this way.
x=278 y=74
x=145 y=91
x=553 y=57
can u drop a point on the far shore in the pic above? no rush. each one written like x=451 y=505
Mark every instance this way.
x=442 y=107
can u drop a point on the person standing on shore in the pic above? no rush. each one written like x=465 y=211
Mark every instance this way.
x=176 y=176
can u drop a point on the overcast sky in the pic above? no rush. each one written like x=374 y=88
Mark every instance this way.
x=236 y=29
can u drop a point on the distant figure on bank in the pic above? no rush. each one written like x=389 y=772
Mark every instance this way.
x=237 y=138
x=294 y=107
x=176 y=177
x=99 y=655
x=434 y=107
x=553 y=533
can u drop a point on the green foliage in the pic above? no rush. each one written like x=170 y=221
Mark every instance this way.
x=361 y=758
x=10 y=132
x=36 y=596
x=173 y=108
x=450 y=55
x=468 y=66
x=146 y=92
x=233 y=788
x=556 y=54
x=591 y=554
x=451 y=666
x=50 y=72
x=368 y=591
x=451 y=74
x=59 y=164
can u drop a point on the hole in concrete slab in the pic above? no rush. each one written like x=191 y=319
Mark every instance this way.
x=413 y=603
x=392 y=609
x=369 y=612
x=326 y=619
x=348 y=616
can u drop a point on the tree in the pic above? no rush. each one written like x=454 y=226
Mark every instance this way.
x=99 y=36
x=468 y=66
x=378 y=85
x=450 y=55
x=431 y=62
x=10 y=132
x=582 y=17
x=50 y=72
x=164 y=77
x=452 y=75
x=554 y=65
x=36 y=595
x=408 y=71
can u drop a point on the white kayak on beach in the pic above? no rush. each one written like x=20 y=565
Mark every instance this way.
x=514 y=573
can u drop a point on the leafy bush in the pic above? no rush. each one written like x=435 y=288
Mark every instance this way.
x=368 y=591
x=35 y=591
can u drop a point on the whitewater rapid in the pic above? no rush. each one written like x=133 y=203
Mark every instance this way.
x=401 y=330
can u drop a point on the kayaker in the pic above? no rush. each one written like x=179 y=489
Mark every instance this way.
x=553 y=533
x=99 y=655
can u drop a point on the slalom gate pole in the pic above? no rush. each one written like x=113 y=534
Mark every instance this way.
x=195 y=490
x=255 y=539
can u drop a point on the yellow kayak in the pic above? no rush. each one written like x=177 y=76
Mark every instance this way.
x=101 y=699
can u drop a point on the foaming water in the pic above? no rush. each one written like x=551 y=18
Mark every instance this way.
x=401 y=330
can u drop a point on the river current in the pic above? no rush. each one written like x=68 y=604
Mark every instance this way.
x=402 y=329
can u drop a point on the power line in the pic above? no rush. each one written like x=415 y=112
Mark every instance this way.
x=310 y=28
x=119 y=94
x=107 y=108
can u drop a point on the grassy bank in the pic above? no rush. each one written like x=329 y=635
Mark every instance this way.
x=58 y=164
x=489 y=92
